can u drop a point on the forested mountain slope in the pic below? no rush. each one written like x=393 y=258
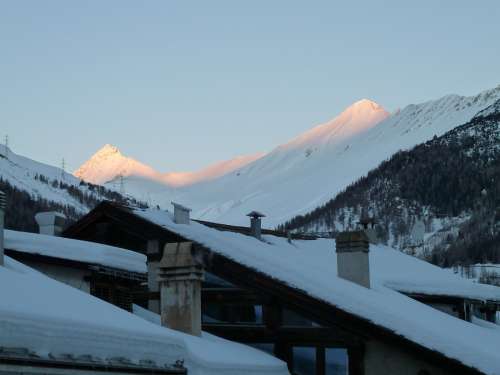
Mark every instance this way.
x=439 y=199
x=33 y=187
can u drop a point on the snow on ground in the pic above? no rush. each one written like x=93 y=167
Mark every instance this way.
x=310 y=266
x=82 y=251
x=48 y=317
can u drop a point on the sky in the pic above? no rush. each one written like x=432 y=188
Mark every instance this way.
x=179 y=85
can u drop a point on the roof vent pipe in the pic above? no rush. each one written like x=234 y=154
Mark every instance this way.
x=181 y=214
x=353 y=262
x=256 y=224
x=3 y=204
x=50 y=223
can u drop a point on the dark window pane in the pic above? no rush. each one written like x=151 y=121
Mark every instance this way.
x=304 y=360
x=336 y=361
x=232 y=313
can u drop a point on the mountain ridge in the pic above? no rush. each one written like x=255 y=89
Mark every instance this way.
x=108 y=164
x=440 y=200
x=310 y=169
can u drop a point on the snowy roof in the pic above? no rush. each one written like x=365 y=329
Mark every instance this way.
x=54 y=320
x=310 y=266
x=76 y=250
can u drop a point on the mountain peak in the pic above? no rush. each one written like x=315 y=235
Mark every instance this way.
x=364 y=105
x=107 y=150
x=108 y=163
x=355 y=119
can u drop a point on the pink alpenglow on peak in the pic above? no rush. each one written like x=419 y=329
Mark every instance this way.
x=211 y=172
x=355 y=119
x=108 y=163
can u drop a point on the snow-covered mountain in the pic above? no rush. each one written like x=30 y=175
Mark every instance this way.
x=216 y=170
x=296 y=177
x=439 y=200
x=107 y=164
x=32 y=186
x=37 y=179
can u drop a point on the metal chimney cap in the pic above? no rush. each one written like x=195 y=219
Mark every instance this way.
x=256 y=214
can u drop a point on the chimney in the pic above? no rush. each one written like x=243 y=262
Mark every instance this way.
x=256 y=224
x=181 y=213
x=50 y=223
x=3 y=204
x=367 y=224
x=180 y=275
x=353 y=262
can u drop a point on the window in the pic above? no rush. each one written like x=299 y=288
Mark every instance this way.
x=304 y=360
x=232 y=313
x=110 y=292
x=310 y=360
x=336 y=361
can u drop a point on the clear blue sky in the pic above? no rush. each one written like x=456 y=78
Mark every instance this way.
x=181 y=84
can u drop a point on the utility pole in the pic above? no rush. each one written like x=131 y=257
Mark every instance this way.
x=7 y=146
x=63 y=168
x=122 y=185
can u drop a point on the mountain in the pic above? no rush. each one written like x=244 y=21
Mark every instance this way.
x=308 y=171
x=440 y=199
x=290 y=178
x=108 y=163
x=216 y=170
x=33 y=187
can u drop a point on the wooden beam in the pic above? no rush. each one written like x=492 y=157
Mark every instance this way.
x=355 y=358
x=233 y=296
x=320 y=360
x=304 y=336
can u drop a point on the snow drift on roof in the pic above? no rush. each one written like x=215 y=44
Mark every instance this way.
x=52 y=319
x=82 y=251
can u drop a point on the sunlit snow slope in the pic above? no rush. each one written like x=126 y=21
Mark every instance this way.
x=108 y=163
x=43 y=181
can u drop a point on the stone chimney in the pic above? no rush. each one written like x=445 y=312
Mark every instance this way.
x=180 y=275
x=50 y=223
x=353 y=262
x=256 y=224
x=181 y=214
x=3 y=204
